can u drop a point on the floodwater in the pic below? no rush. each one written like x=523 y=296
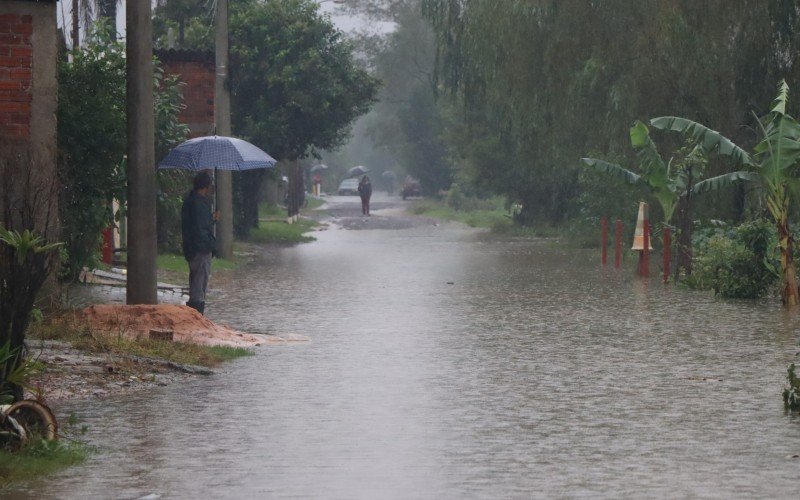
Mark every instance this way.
x=445 y=364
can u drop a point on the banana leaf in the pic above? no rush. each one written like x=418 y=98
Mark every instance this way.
x=711 y=140
x=613 y=170
x=723 y=181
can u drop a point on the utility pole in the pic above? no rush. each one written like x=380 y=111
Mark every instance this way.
x=222 y=120
x=75 y=25
x=141 y=287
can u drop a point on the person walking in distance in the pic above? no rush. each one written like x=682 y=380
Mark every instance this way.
x=199 y=243
x=365 y=191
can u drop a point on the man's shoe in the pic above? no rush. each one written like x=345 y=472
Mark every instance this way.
x=195 y=305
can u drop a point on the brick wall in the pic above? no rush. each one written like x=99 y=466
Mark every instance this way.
x=196 y=71
x=16 y=63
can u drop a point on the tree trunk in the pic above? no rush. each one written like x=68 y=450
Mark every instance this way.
x=684 y=242
x=789 y=294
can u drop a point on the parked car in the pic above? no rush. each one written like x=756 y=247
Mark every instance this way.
x=348 y=187
x=411 y=188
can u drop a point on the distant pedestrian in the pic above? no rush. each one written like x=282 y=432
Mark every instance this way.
x=199 y=243
x=317 y=184
x=365 y=191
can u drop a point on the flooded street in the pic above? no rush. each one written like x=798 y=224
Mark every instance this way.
x=446 y=364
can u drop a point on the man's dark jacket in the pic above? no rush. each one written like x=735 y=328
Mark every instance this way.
x=197 y=226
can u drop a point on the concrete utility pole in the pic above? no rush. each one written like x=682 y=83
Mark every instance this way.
x=75 y=25
x=222 y=119
x=141 y=287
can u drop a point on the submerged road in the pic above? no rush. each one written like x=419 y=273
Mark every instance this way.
x=447 y=364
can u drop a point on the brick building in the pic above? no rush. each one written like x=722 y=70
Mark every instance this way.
x=196 y=70
x=28 y=105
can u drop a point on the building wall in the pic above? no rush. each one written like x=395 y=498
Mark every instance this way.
x=196 y=70
x=28 y=105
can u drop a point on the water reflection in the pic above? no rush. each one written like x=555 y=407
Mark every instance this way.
x=447 y=365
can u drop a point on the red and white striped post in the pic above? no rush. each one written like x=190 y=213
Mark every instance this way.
x=641 y=240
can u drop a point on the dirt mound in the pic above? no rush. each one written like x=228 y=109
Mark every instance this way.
x=185 y=323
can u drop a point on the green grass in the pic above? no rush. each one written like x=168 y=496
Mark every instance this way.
x=281 y=232
x=267 y=211
x=177 y=264
x=81 y=337
x=39 y=459
x=490 y=218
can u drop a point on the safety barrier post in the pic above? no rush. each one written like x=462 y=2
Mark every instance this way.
x=644 y=272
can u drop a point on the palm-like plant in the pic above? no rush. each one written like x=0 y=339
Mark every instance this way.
x=673 y=182
x=773 y=162
x=655 y=172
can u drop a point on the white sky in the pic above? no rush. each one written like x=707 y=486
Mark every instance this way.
x=345 y=23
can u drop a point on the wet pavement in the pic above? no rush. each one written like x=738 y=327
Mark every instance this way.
x=447 y=364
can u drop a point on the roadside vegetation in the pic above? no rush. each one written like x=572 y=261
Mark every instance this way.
x=79 y=335
x=273 y=228
x=38 y=459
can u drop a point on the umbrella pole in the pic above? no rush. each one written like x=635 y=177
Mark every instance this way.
x=215 y=202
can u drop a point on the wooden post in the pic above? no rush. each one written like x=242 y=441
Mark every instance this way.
x=603 y=240
x=618 y=244
x=667 y=252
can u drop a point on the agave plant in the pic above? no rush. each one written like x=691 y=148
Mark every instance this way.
x=773 y=162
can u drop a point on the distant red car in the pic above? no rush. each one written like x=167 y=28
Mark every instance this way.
x=411 y=188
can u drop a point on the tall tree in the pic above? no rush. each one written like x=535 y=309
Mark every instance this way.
x=544 y=80
x=296 y=85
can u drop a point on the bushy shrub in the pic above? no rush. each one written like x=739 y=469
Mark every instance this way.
x=735 y=262
x=455 y=198
x=92 y=141
x=791 y=393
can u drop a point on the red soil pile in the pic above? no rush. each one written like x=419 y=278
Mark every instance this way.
x=185 y=323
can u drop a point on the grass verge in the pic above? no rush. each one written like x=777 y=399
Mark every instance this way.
x=83 y=338
x=491 y=215
x=494 y=218
x=281 y=232
x=41 y=458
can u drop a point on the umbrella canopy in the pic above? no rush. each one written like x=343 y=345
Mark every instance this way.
x=317 y=168
x=225 y=153
x=356 y=171
x=389 y=175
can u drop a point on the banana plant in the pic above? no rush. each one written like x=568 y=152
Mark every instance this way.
x=673 y=183
x=655 y=172
x=773 y=162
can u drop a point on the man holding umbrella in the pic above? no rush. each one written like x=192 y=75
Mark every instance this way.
x=199 y=243
x=197 y=222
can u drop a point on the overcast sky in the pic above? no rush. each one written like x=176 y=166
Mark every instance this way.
x=344 y=22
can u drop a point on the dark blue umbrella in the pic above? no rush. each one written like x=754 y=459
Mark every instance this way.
x=356 y=171
x=225 y=153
